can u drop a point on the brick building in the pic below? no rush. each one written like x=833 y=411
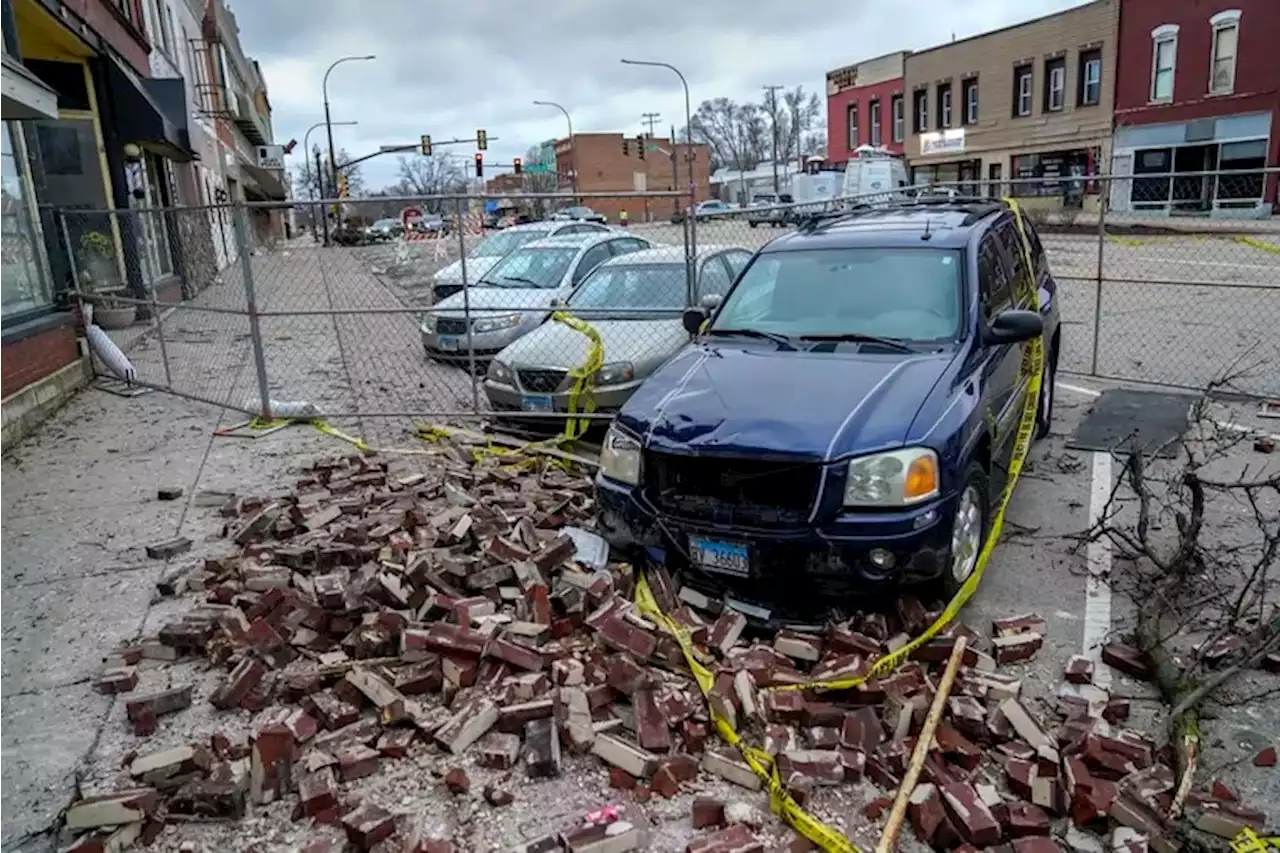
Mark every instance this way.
x=1198 y=89
x=865 y=106
x=1025 y=102
x=604 y=167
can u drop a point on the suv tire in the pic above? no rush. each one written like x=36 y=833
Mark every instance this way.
x=969 y=524
x=1044 y=406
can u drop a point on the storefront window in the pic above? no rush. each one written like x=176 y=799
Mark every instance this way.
x=1238 y=157
x=25 y=279
x=1057 y=173
x=149 y=175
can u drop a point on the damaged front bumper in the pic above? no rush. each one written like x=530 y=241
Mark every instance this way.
x=791 y=574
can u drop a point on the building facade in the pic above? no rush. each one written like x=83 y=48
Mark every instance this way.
x=865 y=106
x=1015 y=110
x=1197 y=90
x=604 y=165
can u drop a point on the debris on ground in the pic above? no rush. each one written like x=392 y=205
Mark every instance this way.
x=372 y=613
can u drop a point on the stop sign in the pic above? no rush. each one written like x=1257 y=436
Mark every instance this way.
x=410 y=216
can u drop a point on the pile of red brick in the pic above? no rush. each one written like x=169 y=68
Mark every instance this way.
x=458 y=610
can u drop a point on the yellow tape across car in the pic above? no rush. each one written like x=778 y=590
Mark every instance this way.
x=760 y=762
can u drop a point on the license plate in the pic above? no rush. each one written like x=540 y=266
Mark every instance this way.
x=537 y=403
x=730 y=558
x=449 y=343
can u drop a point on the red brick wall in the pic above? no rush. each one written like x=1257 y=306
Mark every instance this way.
x=603 y=168
x=33 y=358
x=129 y=40
x=839 y=146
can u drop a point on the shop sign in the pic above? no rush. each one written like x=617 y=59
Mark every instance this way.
x=942 y=142
x=271 y=156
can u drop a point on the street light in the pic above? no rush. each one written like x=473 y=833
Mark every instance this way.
x=573 y=152
x=317 y=186
x=324 y=89
x=688 y=135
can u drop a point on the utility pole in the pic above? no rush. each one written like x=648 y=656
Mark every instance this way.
x=771 y=99
x=650 y=119
x=675 y=173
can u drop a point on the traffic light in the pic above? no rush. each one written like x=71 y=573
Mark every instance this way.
x=482 y=140
x=640 y=145
x=426 y=145
x=479 y=165
x=518 y=165
x=626 y=147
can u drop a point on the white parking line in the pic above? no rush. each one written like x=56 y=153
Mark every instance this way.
x=1097 y=589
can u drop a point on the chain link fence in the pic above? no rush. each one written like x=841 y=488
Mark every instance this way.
x=452 y=318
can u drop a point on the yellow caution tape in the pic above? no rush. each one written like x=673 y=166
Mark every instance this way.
x=760 y=762
x=1248 y=841
x=1258 y=244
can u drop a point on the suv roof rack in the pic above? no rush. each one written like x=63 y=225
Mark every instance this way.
x=975 y=207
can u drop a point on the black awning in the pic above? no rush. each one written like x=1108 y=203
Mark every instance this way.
x=140 y=118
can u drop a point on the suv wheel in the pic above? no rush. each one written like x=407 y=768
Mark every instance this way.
x=968 y=530
x=1044 y=409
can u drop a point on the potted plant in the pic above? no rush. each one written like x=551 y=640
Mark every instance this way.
x=98 y=267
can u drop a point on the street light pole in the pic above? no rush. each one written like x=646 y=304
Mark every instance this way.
x=573 y=150
x=306 y=154
x=688 y=135
x=771 y=92
x=328 y=123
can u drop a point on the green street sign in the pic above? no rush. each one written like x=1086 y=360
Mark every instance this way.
x=537 y=169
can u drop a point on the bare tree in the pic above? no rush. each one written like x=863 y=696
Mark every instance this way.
x=737 y=135
x=428 y=175
x=305 y=179
x=539 y=182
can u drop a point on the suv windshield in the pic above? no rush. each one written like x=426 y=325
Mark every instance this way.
x=499 y=244
x=907 y=294
x=534 y=267
x=633 y=286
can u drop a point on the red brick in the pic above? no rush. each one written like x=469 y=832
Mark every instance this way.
x=736 y=838
x=707 y=811
x=368 y=824
x=972 y=817
x=1265 y=758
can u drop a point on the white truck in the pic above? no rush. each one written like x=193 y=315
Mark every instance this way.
x=872 y=174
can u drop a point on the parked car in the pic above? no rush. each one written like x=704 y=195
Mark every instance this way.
x=705 y=210
x=766 y=210
x=581 y=213
x=845 y=419
x=516 y=294
x=384 y=230
x=532 y=374
x=490 y=250
x=433 y=223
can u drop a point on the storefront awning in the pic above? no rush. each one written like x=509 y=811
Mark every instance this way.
x=269 y=186
x=26 y=96
x=140 y=117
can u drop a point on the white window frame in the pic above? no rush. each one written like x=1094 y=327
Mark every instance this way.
x=1057 y=88
x=1090 y=65
x=1026 y=91
x=1228 y=19
x=946 y=107
x=1165 y=34
x=851 y=126
x=922 y=110
x=970 y=100
x=899 y=108
x=875 y=122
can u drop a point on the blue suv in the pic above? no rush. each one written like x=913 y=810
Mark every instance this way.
x=844 y=418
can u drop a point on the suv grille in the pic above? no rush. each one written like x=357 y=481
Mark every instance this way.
x=732 y=490
x=540 y=381
x=451 y=326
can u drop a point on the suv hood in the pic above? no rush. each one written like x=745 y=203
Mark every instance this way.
x=489 y=298
x=476 y=267
x=747 y=399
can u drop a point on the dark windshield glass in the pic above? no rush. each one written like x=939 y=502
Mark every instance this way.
x=531 y=268
x=628 y=286
x=501 y=243
x=908 y=294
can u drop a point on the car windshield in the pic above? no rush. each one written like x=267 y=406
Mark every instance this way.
x=499 y=244
x=533 y=267
x=907 y=294
x=576 y=212
x=633 y=286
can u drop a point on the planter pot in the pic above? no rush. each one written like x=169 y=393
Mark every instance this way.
x=115 y=318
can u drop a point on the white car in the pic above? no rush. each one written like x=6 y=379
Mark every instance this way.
x=493 y=248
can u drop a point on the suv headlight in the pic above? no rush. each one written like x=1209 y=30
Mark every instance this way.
x=493 y=324
x=894 y=478
x=620 y=457
x=615 y=372
x=429 y=323
x=499 y=372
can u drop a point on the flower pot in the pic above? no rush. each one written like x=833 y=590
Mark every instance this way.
x=115 y=318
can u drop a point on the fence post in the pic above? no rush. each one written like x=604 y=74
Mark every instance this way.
x=239 y=216
x=156 y=319
x=466 y=304
x=1097 y=297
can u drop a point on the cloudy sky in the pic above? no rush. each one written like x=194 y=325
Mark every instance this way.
x=447 y=67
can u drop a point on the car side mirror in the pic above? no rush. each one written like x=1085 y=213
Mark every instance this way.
x=1014 y=326
x=711 y=301
x=693 y=318
x=557 y=303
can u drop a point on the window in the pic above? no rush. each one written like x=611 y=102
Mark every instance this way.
x=627 y=245
x=1057 y=173
x=632 y=286
x=157 y=261
x=592 y=258
x=910 y=294
x=164 y=36
x=970 y=90
x=738 y=260
x=944 y=106
x=25 y=280
x=1237 y=157
x=714 y=279
x=1164 y=57
x=1089 y=79
x=1055 y=85
x=543 y=267
x=1226 y=33
x=993 y=279
x=1023 y=78
x=875 y=122
x=899 y=120
x=1007 y=234
x=921 y=111
x=852 y=125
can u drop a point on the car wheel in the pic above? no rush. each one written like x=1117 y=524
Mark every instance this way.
x=968 y=530
x=1044 y=408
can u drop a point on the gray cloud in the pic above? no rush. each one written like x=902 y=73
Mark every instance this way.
x=447 y=67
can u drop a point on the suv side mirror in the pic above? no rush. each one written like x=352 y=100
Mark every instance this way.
x=693 y=318
x=1014 y=326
